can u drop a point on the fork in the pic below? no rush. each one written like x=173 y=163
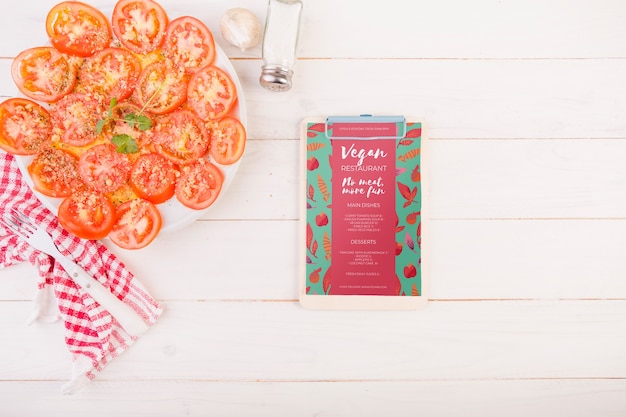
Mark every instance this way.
x=37 y=237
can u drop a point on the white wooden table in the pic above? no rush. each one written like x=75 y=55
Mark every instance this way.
x=526 y=106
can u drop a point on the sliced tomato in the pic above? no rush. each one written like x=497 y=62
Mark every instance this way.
x=103 y=169
x=228 y=141
x=140 y=25
x=55 y=172
x=77 y=28
x=189 y=44
x=211 y=93
x=44 y=74
x=161 y=88
x=87 y=214
x=25 y=126
x=199 y=185
x=153 y=178
x=112 y=73
x=74 y=118
x=137 y=223
x=180 y=136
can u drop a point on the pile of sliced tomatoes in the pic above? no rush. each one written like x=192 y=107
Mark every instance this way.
x=122 y=115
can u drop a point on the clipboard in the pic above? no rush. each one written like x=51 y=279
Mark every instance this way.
x=363 y=229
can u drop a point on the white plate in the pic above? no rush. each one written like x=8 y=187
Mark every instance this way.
x=174 y=215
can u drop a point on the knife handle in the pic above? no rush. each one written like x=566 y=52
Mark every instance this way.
x=123 y=313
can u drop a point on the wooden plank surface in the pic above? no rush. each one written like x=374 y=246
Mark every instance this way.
x=518 y=398
x=524 y=102
x=279 y=341
x=471 y=259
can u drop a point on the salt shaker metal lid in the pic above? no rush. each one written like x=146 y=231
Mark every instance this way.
x=276 y=77
x=280 y=40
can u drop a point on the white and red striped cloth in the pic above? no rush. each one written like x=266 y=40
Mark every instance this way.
x=93 y=337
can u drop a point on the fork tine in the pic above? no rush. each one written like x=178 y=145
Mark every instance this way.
x=10 y=224
x=18 y=223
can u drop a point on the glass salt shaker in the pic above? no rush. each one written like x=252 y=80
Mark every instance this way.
x=279 y=43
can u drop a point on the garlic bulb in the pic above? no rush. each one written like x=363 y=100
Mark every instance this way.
x=241 y=28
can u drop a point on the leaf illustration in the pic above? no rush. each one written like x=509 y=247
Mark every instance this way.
x=408 y=193
x=308 y=290
x=308 y=260
x=314 y=277
x=323 y=188
x=409 y=241
x=414 y=291
x=398 y=228
x=400 y=171
x=327 y=245
x=309 y=235
x=314 y=247
x=315 y=146
x=405 y=142
x=419 y=234
x=416 y=176
x=409 y=155
x=326 y=281
x=318 y=127
x=311 y=193
x=398 y=286
x=414 y=133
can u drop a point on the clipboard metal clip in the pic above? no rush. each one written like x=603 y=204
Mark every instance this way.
x=365 y=126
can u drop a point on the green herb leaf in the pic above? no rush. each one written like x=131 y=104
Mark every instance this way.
x=100 y=125
x=125 y=143
x=112 y=104
x=143 y=122
x=139 y=121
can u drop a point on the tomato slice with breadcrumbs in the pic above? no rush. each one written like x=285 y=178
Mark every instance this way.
x=24 y=126
x=199 y=184
x=189 y=44
x=228 y=141
x=55 y=172
x=161 y=88
x=211 y=93
x=112 y=72
x=153 y=178
x=180 y=136
x=44 y=74
x=87 y=214
x=77 y=28
x=139 y=25
x=103 y=169
x=74 y=118
x=137 y=223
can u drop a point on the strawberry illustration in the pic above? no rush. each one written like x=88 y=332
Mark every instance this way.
x=321 y=219
x=410 y=271
x=312 y=163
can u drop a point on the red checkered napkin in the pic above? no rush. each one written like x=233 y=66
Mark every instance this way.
x=93 y=337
